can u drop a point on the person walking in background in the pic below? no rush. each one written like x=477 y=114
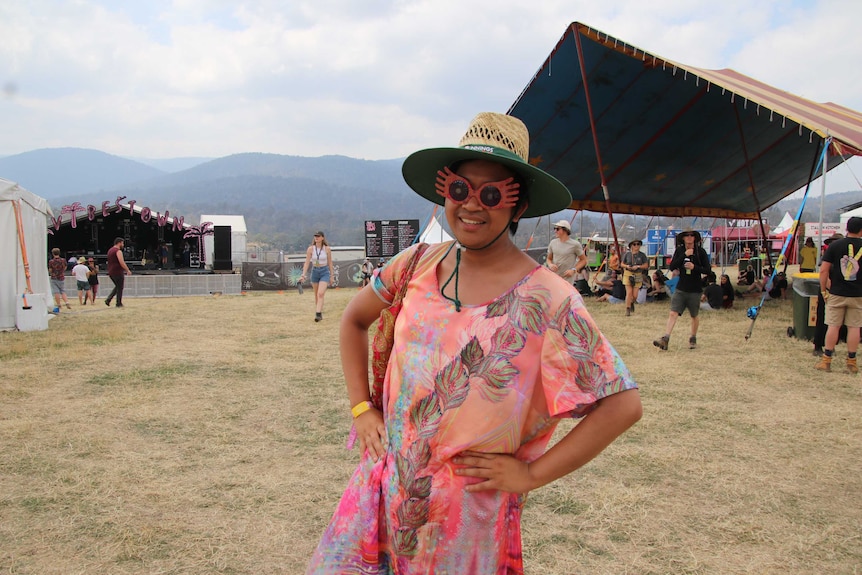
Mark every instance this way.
x=367 y=269
x=566 y=256
x=57 y=272
x=841 y=287
x=489 y=352
x=692 y=263
x=807 y=256
x=117 y=271
x=80 y=272
x=319 y=257
x=93 y=279
x=634 y=264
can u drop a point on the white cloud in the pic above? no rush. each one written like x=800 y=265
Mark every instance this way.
x=374 y=79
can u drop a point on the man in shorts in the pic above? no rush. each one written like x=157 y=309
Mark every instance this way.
x=566 y=255
x=693 y=263
x=841 y=287
x=81 y=273
x=57 y=271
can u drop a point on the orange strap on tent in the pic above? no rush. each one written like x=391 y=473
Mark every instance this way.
x=16 y=205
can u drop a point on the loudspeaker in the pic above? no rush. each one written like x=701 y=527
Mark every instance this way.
x=221 y=243
x=221 y=248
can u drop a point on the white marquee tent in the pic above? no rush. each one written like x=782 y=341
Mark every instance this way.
x=34 y=218
x=434 y=233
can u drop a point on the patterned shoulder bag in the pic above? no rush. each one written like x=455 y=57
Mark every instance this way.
x=384 y=335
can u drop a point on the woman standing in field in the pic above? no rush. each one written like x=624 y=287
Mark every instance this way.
x=490 y=351
x=319 y=256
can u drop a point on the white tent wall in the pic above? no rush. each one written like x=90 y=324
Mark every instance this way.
x=34 y=215
x=434 y=233
x=238 y=238
x=857 y=213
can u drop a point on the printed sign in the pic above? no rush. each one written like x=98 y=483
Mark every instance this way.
x=385 y=238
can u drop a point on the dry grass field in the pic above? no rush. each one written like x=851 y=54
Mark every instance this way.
x=206 y=435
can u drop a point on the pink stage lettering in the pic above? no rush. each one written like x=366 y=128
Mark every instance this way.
x=105 y=209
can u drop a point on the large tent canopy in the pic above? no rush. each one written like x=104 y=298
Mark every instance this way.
x=670 y=139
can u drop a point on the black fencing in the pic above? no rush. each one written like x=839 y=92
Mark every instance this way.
x=285 y=276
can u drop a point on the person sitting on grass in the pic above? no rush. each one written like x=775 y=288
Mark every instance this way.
x=712 y=295
x=727 y=295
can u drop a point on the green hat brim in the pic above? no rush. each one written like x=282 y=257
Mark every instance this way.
x=547 y=194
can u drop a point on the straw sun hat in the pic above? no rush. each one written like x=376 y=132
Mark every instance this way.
x=497 y=138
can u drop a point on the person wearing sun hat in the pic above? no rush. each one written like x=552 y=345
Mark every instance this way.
x=490 y=350
x=634 y=264
x=692 y=262
x=80 y=272
x=566 y=255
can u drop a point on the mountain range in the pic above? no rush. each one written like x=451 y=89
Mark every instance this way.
x=284 y=199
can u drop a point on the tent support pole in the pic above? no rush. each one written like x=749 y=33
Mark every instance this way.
x=753 y=188
x=822 y=201
x=577 y=35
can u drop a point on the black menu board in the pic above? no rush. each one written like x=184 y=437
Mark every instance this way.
x=385 y=238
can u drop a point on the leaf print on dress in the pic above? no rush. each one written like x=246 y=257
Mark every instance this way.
x=425 y=416
x=578 y=331
x=497 y=372
x=413 y=513
x=472 y=355
x=452 y=384
x=508 y=342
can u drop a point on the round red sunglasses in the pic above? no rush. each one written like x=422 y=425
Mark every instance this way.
x=492 y=195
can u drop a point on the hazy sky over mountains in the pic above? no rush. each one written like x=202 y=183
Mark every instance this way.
x=373 y=79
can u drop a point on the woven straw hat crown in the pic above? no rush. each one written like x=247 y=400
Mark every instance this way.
x=496 y=138
x=500 y=131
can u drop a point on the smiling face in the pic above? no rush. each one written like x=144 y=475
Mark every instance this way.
x=473 y=225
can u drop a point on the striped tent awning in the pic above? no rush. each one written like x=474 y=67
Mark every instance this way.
x=674 y=140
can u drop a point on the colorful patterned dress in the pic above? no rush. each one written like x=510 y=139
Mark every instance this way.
x=492 y=378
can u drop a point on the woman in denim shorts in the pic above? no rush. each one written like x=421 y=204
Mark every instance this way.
x=319 y=257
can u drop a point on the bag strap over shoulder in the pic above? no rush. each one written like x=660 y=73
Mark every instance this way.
x=407 y=273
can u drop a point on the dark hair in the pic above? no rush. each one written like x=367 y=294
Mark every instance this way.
x=854 y=225
x=523 y=200
x=118 y=240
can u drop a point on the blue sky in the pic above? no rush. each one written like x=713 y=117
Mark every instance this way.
x=374 y=79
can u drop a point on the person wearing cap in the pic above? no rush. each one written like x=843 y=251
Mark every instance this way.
x=80 y=272
x=841 y=288
x=692 y=263
x=92 y=279
x=490 y=351
x=319 y=257
x=566 y=255
x=634 y=264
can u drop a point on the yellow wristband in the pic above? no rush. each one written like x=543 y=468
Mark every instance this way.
x=360 y=408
